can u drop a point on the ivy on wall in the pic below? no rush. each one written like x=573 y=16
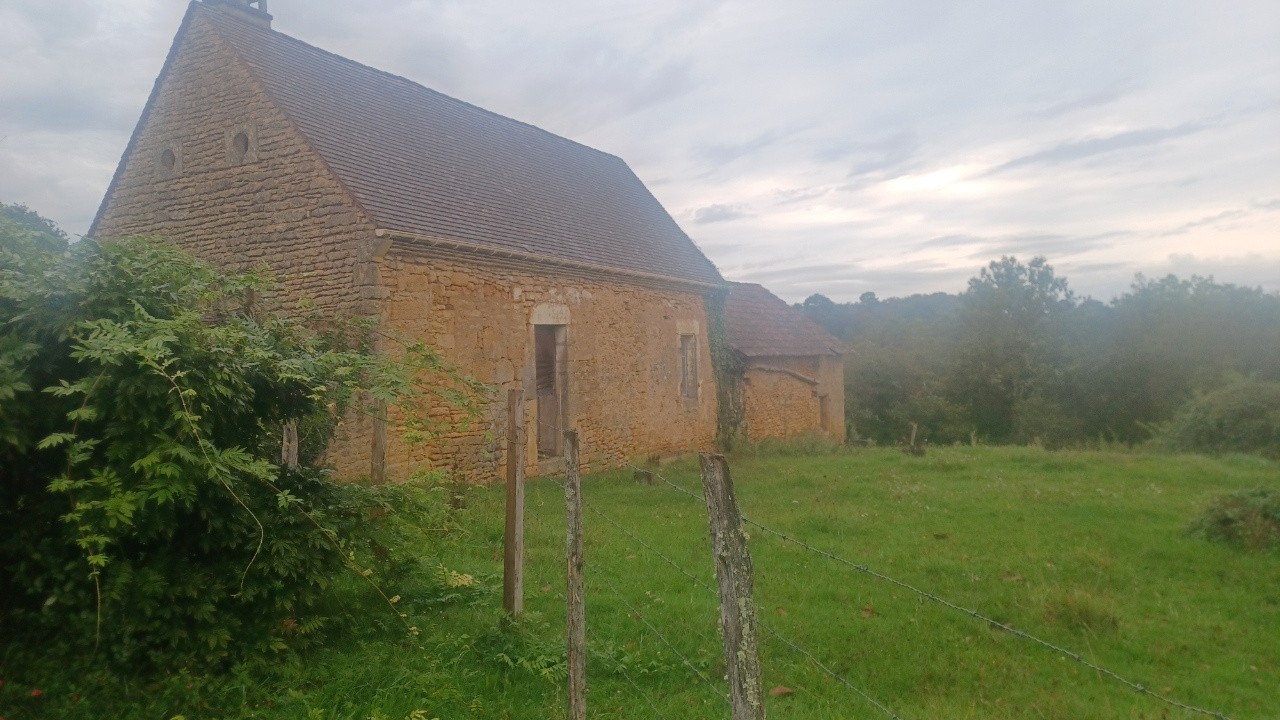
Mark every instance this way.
x=728 y=367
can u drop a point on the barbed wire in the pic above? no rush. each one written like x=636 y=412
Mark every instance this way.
x=639 y=541
x=1136 y=687
x=840 y=678
x=671 y=646
x=655 y=551
x=707 y=586
x=645 y=695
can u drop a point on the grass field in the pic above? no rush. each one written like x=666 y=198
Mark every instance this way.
x=1086 y=550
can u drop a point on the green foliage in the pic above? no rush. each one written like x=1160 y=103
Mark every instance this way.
x=21 y=224
x=1018 y=359
x=1242 y=415
x=1006 y=349
x=727 y=366
x=1087 y=550
x=527 y=646
x=895 y=368
x=143 y=510
x=1249 y=519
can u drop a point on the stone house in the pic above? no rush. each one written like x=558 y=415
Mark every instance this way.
x=792 y=371
x=528 y=259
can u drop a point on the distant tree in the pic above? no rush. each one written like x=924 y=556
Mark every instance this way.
x=22 y=222
x=818 y=302
x=832 y=317
x=899 y=350
x=1018 y=358
x=1175 y=336
x=1008 y=351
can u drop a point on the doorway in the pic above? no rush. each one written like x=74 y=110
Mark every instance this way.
x=551 y=381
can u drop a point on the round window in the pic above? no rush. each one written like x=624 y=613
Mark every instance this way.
x=240 y=146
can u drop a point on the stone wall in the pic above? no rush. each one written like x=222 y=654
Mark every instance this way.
x=270 y=202
x=275 y=205
x=623 y=359
x=788 y=396
x=830 y=377
x=779 y=404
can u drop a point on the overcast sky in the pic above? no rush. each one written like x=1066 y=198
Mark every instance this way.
x=809 y=145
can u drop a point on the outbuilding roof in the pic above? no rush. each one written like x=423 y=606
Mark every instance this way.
x=761 y=324
x=425 y=164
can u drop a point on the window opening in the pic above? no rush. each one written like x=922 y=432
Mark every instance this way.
x=552 y=386
x=689 y=366
x=240 y=147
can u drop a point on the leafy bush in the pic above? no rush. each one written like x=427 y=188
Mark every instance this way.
x=143 y=509
x=1249 y=519
x=1241 y=416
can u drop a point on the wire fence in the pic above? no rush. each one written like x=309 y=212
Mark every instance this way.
x=637 y=614
x=699 y=580
x=864 y=569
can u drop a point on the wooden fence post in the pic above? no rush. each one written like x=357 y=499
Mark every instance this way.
x=289 y=445
x=577 y=624
x=738 y=620
x=513 y=541
x=378 y=444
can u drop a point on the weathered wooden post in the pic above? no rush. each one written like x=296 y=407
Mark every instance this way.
x=577 y=624
x=378 y=444
x=738 y=620
x=289 y=445
x=513 y=541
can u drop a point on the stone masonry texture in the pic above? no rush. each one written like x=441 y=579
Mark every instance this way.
x=783 y=397
x=278 y=206
x=623 y=359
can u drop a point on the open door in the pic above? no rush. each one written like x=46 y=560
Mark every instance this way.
x=552 y=388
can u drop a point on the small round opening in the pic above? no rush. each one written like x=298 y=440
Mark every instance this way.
x=168 y=160
x=240 y=144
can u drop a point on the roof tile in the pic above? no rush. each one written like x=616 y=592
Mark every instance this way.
x=424 y=163
x=761 y=324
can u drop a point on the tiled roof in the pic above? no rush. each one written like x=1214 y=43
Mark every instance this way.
x=761 y=324
x=424 y=163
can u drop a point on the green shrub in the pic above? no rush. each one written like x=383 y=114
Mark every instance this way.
x=1249 y=519
x=1241 y=416
x=143 y=508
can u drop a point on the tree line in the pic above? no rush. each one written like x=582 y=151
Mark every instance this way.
x=1019 y=358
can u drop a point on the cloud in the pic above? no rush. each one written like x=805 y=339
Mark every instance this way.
x=950 y=241
x=725 y=152
x=1089 y=147
x=1253 y=270
x=718 y=213
x=1050 y=245
x=901 y=281
x=1087 y=101
x=841 y=147
x=1214 y=219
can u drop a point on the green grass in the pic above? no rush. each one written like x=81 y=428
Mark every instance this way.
x=1086 y=550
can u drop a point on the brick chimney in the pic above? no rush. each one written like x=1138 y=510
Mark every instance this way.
x=255 y=11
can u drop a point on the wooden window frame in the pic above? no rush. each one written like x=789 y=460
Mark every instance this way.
x=689 y=366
